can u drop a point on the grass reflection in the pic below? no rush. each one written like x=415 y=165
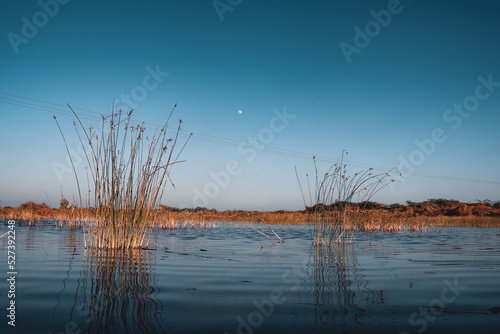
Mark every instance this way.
x=340 y=294
x=117 y=293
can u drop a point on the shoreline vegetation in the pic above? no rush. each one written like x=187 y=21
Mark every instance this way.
x=365 y=216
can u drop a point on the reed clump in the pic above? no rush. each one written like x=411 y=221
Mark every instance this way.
x=339 y=200
x=129 y=172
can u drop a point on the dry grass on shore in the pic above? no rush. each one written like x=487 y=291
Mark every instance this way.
x=368 y=220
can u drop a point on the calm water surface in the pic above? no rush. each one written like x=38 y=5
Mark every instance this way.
x=230 y=279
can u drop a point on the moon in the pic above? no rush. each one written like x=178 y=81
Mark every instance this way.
x=240 y=111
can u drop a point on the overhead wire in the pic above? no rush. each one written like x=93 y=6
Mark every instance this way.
x=87 y=114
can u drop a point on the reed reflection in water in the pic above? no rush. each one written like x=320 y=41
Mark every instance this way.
x=340 y=292
x=117 y=293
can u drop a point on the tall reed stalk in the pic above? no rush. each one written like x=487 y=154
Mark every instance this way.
x=339 y=197
x=129 y=173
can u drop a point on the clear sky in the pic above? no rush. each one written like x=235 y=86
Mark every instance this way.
x=408 y=84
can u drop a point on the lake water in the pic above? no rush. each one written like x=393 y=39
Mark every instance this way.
x=230 y=279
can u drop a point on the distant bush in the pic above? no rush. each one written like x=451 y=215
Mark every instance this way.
x=444 y=203
x=168 y=208
x=370 y=205
x=64 y=203
x=395 y=206
x=35 y=209
x=319 y=208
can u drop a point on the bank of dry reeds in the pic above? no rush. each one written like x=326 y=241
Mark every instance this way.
x=382 y=219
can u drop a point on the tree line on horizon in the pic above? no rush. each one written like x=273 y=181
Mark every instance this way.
x=431 y=207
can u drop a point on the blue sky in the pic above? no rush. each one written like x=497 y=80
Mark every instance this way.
x=264 y=58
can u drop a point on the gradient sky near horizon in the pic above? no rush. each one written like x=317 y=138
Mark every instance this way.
x=397 y=84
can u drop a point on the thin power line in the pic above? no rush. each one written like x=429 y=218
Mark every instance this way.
x=208 y=138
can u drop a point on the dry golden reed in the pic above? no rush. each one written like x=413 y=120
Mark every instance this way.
x=129 y=172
